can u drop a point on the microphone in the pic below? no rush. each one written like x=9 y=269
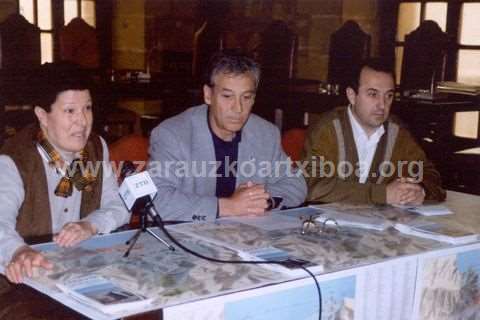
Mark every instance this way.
x=128 y=168
x=137 y=192
x=135 y=185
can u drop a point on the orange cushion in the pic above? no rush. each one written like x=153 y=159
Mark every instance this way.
x=292 y=143
x=133 y=147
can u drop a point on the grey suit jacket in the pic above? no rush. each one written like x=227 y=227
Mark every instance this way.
x=183 y=165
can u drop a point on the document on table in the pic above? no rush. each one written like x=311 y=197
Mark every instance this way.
x=103 y=294
x=151 y=270
x=278 y=219
x=267 y=223
x=344 y=219
x=438 y=231
x=427 y=210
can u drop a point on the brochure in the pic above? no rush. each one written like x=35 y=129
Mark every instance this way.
x=103 y=294
x=427 y=210
x=437 y=231
x=300 y=213
x=351 y=220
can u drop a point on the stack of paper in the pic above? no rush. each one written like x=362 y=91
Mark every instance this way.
x=427 y=210
x=344 y=219
x=103 y=295
x=437 y=231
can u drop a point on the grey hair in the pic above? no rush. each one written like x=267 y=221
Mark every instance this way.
x=233 y=63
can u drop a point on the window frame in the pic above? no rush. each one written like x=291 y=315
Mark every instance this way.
x=58 y=21
x=454 y=10
x=51 y=31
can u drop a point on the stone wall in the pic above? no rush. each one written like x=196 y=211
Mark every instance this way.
x=142 y=29
x=170 y=24
x=128 y=34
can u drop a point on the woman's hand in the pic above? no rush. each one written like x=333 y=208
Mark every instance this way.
x=23 y=263
x=74 y=232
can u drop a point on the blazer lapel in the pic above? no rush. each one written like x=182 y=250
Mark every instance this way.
x=203 y=151
x=246 y=152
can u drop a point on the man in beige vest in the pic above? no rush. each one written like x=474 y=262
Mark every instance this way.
x=43 y=189
x=361 y=154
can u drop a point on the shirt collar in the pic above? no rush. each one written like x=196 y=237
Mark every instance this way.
x=358 y=131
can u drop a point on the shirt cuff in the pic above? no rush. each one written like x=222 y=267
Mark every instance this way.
x=101 y=224
x=378 y=193
x=8 y=249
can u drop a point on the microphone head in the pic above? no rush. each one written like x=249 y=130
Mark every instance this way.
x=136 y=186
x=128 y=169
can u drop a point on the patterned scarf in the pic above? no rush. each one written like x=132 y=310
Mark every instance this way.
x=73 y=175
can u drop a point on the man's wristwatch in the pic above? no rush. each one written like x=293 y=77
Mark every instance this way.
x=274 y=202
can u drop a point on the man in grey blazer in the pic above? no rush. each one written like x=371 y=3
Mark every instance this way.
x=218 y=159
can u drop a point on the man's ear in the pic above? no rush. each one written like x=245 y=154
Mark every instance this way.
x=41 y=116
x=351 y=95
x=207 y=94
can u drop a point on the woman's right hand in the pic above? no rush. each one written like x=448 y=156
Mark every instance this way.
x=23 y=263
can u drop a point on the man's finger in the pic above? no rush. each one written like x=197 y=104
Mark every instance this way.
x=259 y=196
x=255 y=210
x=412 y=186
x=258 y=187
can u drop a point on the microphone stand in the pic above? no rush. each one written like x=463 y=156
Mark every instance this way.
x=149 y=210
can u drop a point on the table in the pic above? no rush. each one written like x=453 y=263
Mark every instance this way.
x=471 y=151
x=433 y=121
x=366 y=275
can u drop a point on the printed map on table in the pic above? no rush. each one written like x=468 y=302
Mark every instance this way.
x=451 y=287
x=338 y=300
x=151 y=269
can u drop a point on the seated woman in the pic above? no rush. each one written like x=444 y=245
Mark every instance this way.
x=55 y=176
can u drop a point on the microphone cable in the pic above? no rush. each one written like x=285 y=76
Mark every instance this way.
x=129 y=168
x=161 y=225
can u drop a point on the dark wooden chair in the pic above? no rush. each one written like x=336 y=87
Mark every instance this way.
x=424 y=57
x=207 y=40
x=19 y=55
x=79 y=44
x=277 y=51
x=349 y=45
x=20 y=43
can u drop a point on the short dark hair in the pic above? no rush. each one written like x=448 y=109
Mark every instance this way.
x=378 y=64
x=51 y=79
x=231 y=62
